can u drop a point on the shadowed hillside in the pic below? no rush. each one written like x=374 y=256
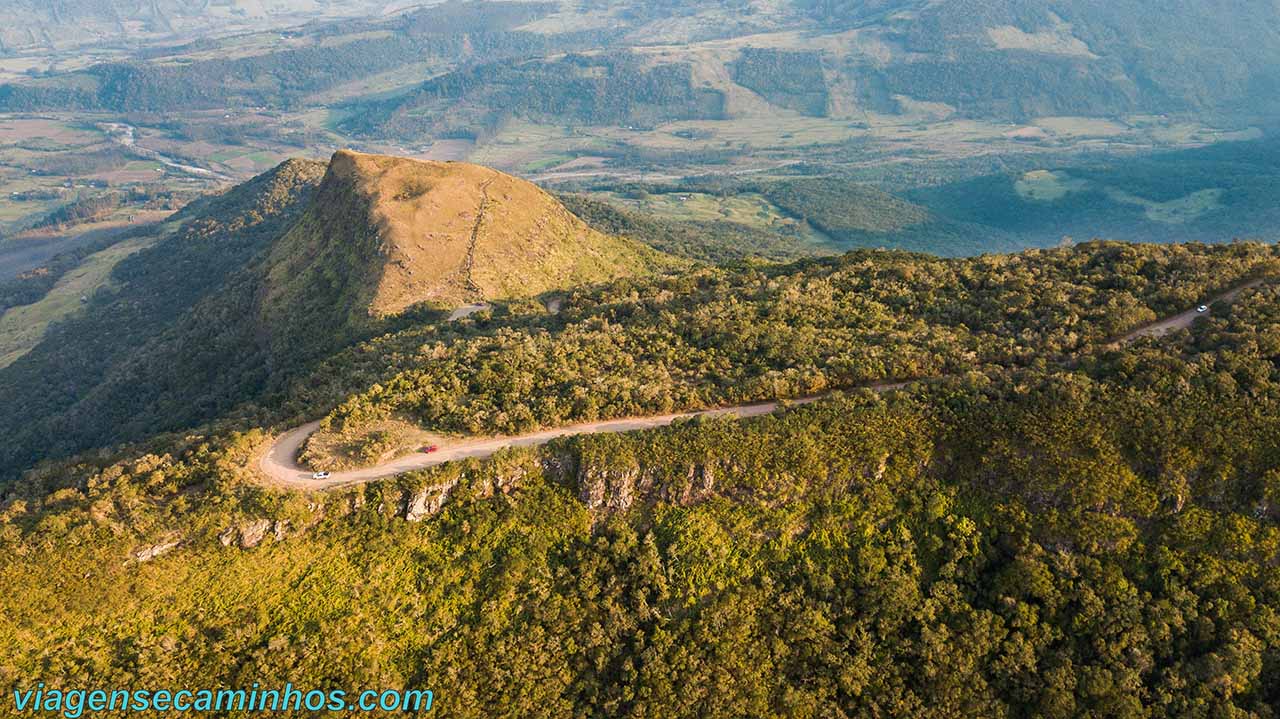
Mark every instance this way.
x=386 y=234
x=285 y=270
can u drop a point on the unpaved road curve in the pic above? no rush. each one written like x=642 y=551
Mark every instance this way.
x=1183 y=320
x=280 y=463
x=281 y=466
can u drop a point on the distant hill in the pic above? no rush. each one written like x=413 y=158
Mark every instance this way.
x=281 y=271
x=277 y=78
x=1010 y=60
x=605 y=89
x=641 y=63
x=213 y=72
x=1028 y=58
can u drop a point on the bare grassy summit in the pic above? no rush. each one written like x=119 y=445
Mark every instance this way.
x=386 y=233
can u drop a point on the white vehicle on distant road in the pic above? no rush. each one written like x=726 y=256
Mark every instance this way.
x=1202 y=309
x=320 y=475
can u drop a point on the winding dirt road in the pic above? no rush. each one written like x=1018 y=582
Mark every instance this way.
x=280 y=463
x=281 y=466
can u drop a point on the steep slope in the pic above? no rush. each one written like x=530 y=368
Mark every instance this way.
x=279 y=272
x=168 y=344
x=385 y=234
x=440 y=233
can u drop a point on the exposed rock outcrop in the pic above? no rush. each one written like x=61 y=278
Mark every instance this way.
x=250 y=534
x=150 y=552
x=611 y=489
x=428 y=501
x=617 y=489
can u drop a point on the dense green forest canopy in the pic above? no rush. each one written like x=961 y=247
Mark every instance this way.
x=1043 y=541
x=988 y=505
x=725 y=336
x=151 y=357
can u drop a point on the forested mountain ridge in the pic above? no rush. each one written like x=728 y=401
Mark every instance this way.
x=722 y=337
x=1045 y=524
x=1032 y=541
x=664 y=435
x=283 y=271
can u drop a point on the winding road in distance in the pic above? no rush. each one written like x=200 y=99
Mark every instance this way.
x=280 y=462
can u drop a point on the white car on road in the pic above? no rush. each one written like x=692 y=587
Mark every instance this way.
x=320 y=475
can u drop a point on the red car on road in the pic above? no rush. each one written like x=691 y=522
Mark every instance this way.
x=430 y=448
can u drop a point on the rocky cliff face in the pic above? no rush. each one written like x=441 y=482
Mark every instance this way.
x=616 y=489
